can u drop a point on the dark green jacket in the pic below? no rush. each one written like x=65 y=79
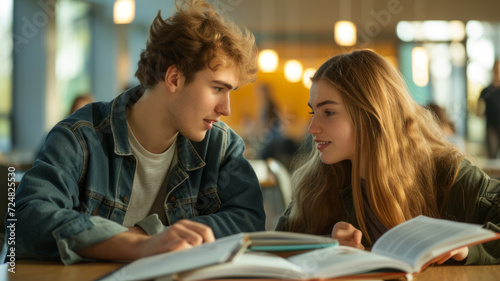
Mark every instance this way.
x=473 y=198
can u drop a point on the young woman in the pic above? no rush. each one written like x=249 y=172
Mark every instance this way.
x=380 y=160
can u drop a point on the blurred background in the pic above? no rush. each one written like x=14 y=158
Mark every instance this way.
x=52 y=52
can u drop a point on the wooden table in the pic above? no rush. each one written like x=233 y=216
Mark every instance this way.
x=460 y=273
x=54 y=271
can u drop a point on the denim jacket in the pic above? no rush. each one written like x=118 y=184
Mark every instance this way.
x=77 y=192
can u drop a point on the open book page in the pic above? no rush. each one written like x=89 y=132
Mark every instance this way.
x=220 y=251
x=419 y=240
x=249 y=265
x=323 y=263
x=344 y=261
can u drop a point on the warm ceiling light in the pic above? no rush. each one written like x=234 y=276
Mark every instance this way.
x=405 y=31
x=457 y=30
x=293 y=71
x=268 y=60
x=420 y=66
x=345 y=33
x=306 y=78
x=458 y=55
x=123 y=11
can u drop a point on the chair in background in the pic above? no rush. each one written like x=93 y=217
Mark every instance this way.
x=489 y=166
x=494 y=173
x=275 y=182
x=283 y=179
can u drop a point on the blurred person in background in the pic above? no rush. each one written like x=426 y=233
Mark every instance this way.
x=489 y=106
x=273 y=142
x=447 y=125
x=80 y=101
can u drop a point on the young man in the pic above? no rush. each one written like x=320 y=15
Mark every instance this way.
x=154 y=170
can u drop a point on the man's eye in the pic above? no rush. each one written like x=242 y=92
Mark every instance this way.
x=218 y=89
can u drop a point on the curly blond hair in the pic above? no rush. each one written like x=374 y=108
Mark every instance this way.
x=194 y=38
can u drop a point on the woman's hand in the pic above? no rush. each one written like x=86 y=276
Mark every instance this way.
x=347 y=235
x=458 y=255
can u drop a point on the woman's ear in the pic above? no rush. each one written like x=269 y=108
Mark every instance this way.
x=172 y=77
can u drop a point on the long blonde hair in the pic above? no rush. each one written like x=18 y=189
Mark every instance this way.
x=409 y=168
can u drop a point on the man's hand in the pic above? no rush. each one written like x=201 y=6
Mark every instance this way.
x=458 y=255
x=182 y=235
x=347 y=235
x=134 y=244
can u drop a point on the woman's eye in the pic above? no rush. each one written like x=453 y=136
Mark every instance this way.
x=218 y=89
x=329 y=113
x=311 y=113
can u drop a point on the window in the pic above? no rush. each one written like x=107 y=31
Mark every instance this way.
x=6 y=13
x=73 y=52
x=437 y=73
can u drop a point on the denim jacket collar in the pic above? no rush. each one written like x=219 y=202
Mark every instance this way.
x=188 y=157
x=118 y=119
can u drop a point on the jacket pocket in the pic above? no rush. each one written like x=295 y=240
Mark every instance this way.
x=95 y=204
x=208 y=201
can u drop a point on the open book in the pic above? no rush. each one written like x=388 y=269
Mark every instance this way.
x=222 y=250
x=405 y=249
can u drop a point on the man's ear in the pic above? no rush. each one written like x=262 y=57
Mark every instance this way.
x=172 y=78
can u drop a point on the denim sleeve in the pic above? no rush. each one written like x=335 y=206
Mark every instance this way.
x=97 y=229
x=242 y=208
x=49 y=225
x=151 y=225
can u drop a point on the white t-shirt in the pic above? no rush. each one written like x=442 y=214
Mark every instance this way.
x=150 y=172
